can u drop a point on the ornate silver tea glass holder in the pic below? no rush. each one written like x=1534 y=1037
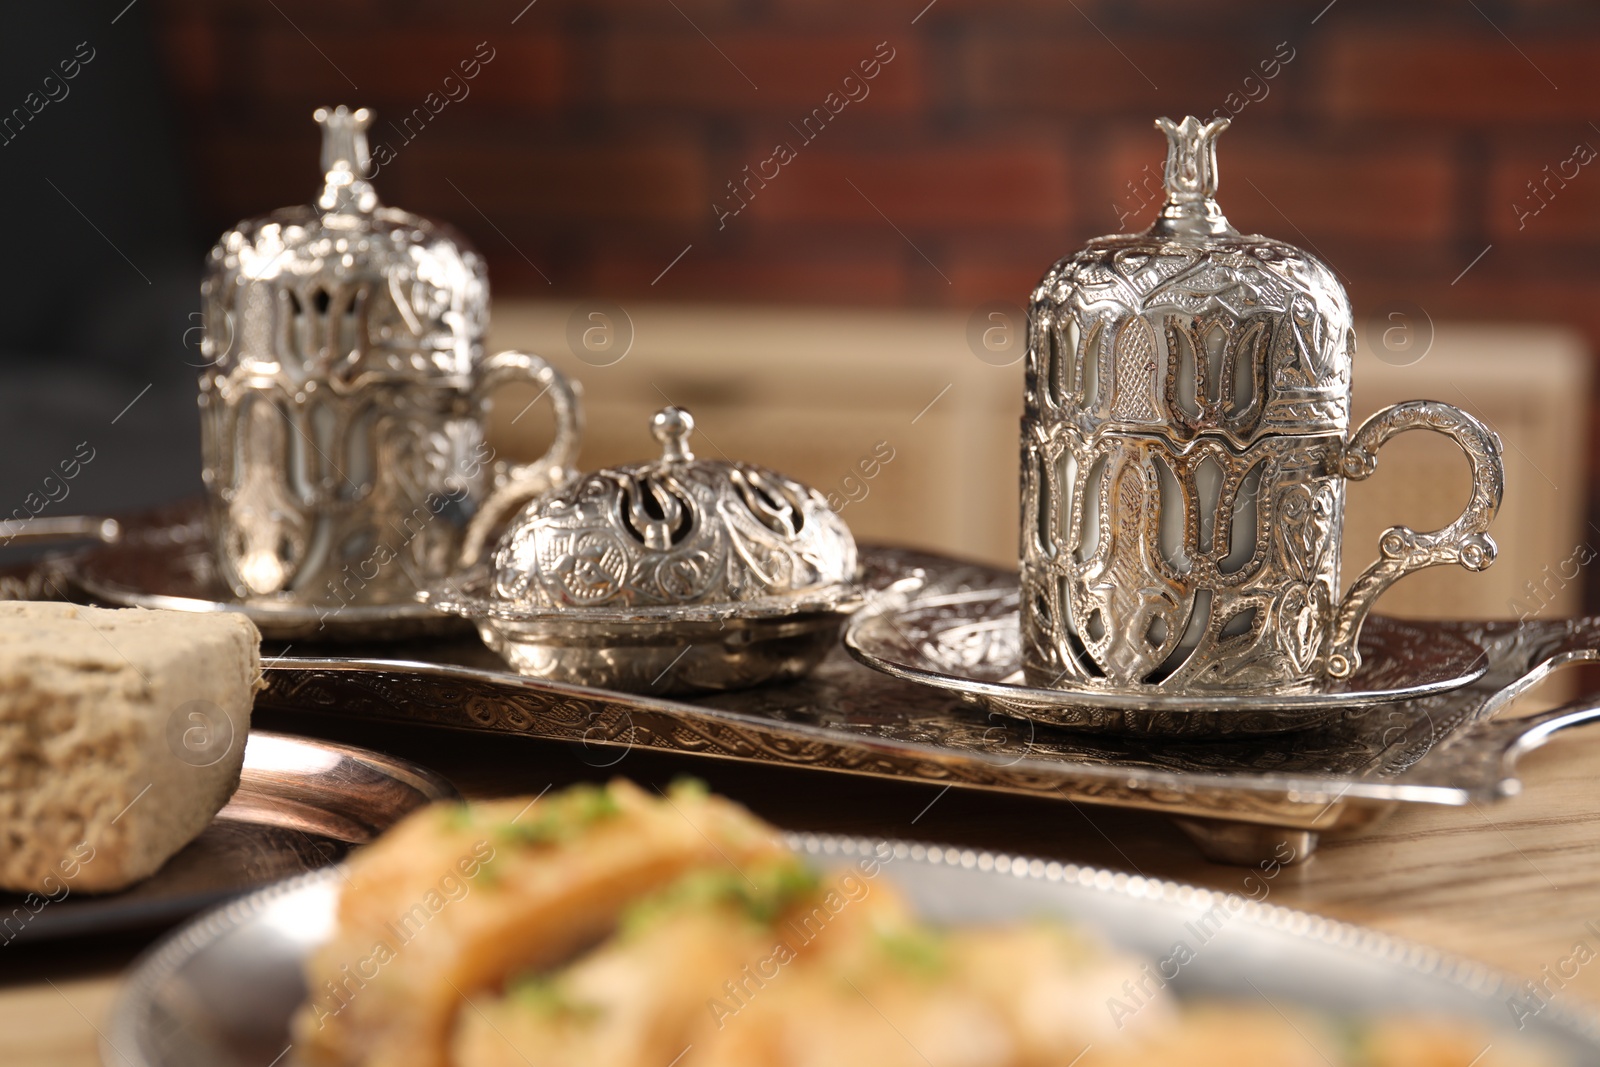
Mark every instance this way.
x=674 y=576
x=1185 y=447
x=344 y=398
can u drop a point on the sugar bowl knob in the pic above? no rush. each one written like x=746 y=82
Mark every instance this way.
x=671 y=426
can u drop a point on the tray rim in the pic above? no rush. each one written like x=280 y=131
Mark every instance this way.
x=1308 y=789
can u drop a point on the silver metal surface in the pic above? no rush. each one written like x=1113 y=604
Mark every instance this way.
x=656 y=650
x=220 y=992
x=166 y=560
x=674 y=576
x=1402 y=549
x=1184 y=450
x=1445 y=749
x=343 y=401
x=971 y=644
x=301 y=805
x=677 y=532
x=46 y=530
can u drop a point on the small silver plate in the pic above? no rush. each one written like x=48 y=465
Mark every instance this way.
x=969 y=643
x=164 y=560
x=220 y=992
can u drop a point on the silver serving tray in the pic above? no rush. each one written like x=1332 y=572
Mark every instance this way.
x=1238 y=798
x=300 y=806
x=220 y=991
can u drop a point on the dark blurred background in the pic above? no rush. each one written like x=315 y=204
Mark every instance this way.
x=1436 y=153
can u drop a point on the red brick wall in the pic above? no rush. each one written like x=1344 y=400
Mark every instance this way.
x=1395 y=139
x=1398 y=140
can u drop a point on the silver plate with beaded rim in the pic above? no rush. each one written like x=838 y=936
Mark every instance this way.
x=969 y=643
x=220 y=992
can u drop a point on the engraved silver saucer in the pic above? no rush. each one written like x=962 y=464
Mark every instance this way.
x=661 y=649
x=969 y=643
x=164 y=559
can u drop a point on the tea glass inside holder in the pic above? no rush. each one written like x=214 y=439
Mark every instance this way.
x=344 y=396
x=1186 y=442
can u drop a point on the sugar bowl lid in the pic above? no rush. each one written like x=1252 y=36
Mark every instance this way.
x=678 y=536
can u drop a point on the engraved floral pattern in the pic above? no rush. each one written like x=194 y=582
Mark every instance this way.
x=1165 y=371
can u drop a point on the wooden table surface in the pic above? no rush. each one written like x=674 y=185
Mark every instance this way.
x=1514 y=885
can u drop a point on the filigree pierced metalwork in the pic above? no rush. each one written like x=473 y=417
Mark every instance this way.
x=343 y=398
x=674 y=532
x=677 y=575
x=1184 y=449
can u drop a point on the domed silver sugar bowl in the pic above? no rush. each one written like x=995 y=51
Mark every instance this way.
x=344 y=396
x=677 y=575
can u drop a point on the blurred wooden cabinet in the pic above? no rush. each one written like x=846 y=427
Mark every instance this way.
x=819 y=395
x=825 y=395
x=1531 y=384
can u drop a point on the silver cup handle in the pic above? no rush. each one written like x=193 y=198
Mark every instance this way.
x=514 y=484
x=1403 y=549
